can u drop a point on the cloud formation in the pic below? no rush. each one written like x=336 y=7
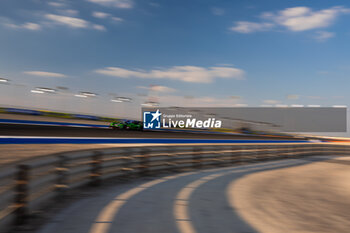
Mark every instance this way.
x=28 y=26
x=162 y=89
x=45 y=74
x=323 y=35
x=100 y=15
x=304 y=18
x=193 y=74
x=117 y=19
x=248 y=27
x=68 y=21
x=125 y=4
x=103 y=15
x=293 y=19
x=66 y=18
x=99 y=27
x=56 y=4
x=158 y=88
x=73 y=22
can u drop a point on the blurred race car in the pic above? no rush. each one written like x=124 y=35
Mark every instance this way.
x=129 y=125
x=245 y=130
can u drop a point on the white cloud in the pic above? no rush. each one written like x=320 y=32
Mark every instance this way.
x=99 y=27
x=56 y=4
x=103 y=15
x=304 y=18
x=100 y=15
x=192 y=74
x=28 y=26
x=31 y=26
x=54 y=19
x=248 y=27
x=45 y=74
x=73 y=22
x=323 y=35
x=295 y=12
x=158 y=88
x=163 y=89
x=68 y=21
x=125 y=4
x=117 y=19
x=294 y=19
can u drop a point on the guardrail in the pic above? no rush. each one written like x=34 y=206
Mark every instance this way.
x=26 y=187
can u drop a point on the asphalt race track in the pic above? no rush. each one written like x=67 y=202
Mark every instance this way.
x=192 y=202
x=61 y=131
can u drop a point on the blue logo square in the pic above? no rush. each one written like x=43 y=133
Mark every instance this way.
x=151 y=120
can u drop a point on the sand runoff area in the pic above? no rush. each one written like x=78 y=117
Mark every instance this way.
x=309 y=198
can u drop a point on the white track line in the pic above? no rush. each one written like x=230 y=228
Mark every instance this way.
x=181 y=211
x=106 y=216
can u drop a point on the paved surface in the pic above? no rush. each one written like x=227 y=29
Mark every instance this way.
x=61 y=131
x=182 y=203
x=310 y=198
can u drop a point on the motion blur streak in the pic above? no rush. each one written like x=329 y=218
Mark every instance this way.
x=181 y=211
x=106 y=216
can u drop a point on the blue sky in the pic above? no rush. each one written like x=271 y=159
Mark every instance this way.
x=216 y=53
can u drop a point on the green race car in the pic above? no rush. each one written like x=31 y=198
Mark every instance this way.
x=129 y=125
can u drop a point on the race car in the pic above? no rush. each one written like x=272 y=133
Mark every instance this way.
x=129 y=125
